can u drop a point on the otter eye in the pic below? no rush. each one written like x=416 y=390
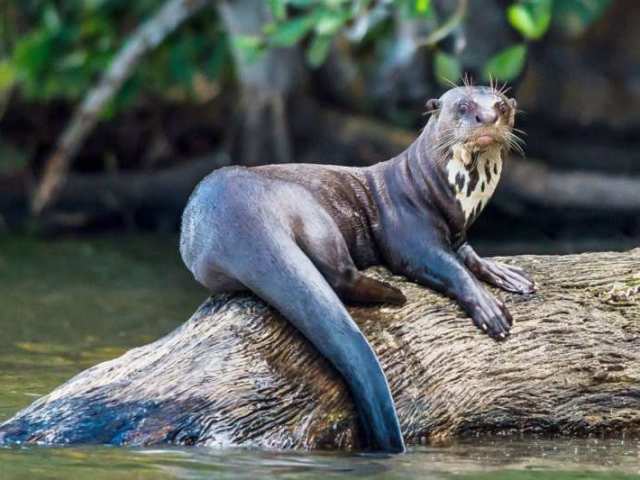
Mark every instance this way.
x=503 y=108
x=463 y=107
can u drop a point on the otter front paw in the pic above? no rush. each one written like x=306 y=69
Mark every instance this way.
x=509 y=278
x=491 y=316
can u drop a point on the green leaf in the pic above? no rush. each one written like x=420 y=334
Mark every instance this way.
x=506 y=64
x=7 y=75
x=287 y=34
x=336 y=4
x=93 y=5
x=446 y=68
x=180 y=64
x=531 y=18
x=319 y=49
x=414 y=9
x=521 y=20
x=51 y=18
x=32 y=54
x=575 y=16
x=422 y=6
x=250 y=47
x=74 y=59
x=301 y=3
x=330 y=21
x=278 y=9
x=218 y=57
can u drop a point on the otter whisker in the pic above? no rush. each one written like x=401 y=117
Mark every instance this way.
x=443 y=147
x=448 y=139
x=515 y=138
x=450 y=82
x=503 y=90
x=468 y=83
x=515 y=143
x=518 y=149
x=494 y=84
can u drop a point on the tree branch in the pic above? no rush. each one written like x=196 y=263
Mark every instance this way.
x=447 y=27
x=149 y=35
x=536 y=183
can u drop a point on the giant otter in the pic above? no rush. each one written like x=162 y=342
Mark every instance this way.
x=298 y=235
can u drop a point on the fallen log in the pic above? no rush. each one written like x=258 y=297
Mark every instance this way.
x=84 y=198
x=323 y=136
x=238 y=374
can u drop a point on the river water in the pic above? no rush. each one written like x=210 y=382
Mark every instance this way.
x=68 y=304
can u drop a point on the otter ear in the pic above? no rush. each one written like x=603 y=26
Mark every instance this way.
x=513 y=103
x=433 y=105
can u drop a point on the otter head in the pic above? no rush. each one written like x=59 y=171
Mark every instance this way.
x=475 y=118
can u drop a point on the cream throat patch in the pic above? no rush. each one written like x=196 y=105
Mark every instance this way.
x=474 y=176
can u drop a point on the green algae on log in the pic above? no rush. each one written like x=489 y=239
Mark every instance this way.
x=238 y=374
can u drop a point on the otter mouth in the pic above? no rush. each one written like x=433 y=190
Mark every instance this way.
x=484 y=139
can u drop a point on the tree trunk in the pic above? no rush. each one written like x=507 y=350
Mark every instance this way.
x=265 y=83
x=238 y=374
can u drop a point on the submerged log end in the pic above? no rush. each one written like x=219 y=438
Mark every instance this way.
x=238 y=374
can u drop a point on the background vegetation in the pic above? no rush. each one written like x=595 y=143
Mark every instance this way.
x=334 y=81
x=55 y=50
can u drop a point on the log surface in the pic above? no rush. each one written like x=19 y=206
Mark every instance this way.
x=236 y=373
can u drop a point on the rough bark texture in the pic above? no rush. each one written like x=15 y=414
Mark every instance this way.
x=238 y=374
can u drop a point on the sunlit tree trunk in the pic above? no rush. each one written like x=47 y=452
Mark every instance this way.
x=265 y=81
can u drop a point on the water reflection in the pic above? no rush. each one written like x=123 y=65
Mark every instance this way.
x=488 y=458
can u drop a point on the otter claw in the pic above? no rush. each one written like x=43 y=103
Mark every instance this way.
x=509 y=278
x=491 y=316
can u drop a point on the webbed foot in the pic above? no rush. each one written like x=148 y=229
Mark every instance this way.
x=490 y=315
x=507 y=277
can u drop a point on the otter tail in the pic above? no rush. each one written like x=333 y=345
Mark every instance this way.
x=287 y=279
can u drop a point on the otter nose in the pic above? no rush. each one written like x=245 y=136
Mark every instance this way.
x=486 y=117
